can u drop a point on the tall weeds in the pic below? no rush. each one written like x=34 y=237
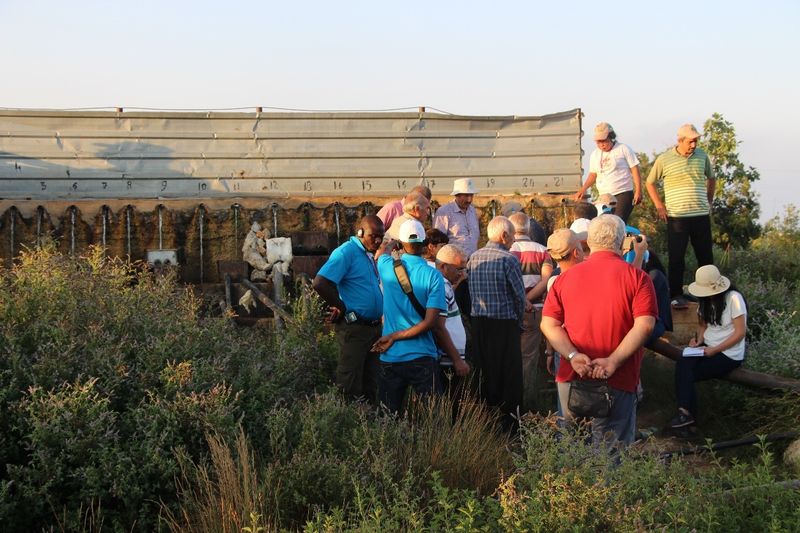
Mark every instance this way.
x=224 y=496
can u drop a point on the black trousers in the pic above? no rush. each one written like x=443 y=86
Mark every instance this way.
x=497 y=356
x=624 y=205
x=689 y=370
x=681 y=230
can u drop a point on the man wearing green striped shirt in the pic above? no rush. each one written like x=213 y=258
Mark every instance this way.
x=689 y=186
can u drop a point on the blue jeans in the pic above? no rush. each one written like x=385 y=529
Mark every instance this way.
x=618 y=427
x=422 y=375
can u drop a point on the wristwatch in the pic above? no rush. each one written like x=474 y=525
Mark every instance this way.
x=571 y=355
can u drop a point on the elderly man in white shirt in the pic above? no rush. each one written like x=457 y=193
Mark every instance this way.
x=615 y=168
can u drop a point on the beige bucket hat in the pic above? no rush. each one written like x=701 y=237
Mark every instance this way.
x=708 y=282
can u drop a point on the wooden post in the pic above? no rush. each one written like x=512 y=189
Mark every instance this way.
x=264 y=299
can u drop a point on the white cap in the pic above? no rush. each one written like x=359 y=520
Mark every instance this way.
x=412 y=231
x=602 y=131
x=464 y=186
x=688 y=131
x=581 y=228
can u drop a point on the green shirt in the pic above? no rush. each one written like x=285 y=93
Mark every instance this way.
x=685 y=191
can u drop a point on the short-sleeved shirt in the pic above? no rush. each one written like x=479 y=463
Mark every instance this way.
x=716 y=334
x=453 y=323
x=597 y=301
x=398 y=311
x=532 y=257
x=352 y=269
x=461 y=227
x=613 y=168
x=495 y=284
x=389 y=212
x=685 y=191
x=393 y=231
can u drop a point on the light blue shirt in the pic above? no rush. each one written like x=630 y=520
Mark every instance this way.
x=352 y=269
x=399 y=313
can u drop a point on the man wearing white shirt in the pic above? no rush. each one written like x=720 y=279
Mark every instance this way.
x=615 y=168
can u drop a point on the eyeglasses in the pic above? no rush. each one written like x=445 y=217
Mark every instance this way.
x=458 y=269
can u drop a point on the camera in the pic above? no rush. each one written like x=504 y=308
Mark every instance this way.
x=627 y=244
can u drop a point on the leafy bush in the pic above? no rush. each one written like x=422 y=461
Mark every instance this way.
x=563 y=484
x=110 y=377
x=327 y=454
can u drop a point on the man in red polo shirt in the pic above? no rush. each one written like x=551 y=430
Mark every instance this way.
x=598 y=316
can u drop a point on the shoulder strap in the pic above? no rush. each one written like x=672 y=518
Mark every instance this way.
x=405 y=283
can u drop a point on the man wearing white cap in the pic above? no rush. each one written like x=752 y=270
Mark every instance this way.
x=581 y=228
x=413 y=300
x=459 y=219
x=689 y=187
x=615 y=168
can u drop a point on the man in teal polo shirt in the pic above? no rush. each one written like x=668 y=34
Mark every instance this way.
x=689 y=187
x=348 y=283
x=409 y=356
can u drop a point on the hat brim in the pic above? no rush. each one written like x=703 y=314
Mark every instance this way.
x=582 y=235
x=468 y=191
x=702 y=291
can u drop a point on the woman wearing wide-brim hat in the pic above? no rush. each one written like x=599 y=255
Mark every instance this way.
x=722 y=325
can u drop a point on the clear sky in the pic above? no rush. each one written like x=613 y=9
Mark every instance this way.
x=645 y=67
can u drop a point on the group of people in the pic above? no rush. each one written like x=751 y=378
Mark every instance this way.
x=411 y=306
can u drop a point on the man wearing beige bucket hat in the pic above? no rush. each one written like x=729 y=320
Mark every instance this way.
x=689 y=185
x=719 y=340
x=459 y=219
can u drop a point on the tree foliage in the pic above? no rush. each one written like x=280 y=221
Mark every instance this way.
x=735 y=209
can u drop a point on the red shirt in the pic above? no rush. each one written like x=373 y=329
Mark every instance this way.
x=597 y=302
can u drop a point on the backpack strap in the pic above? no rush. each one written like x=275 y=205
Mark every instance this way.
x=405 y=283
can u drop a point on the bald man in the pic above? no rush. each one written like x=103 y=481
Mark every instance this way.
x=348 y=282
x=392 y=210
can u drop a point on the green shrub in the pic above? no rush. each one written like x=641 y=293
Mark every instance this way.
x=147 y=375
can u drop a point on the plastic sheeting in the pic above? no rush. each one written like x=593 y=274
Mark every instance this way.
x=99 y=155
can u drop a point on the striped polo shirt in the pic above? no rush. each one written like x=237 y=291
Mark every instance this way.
x=685 y=191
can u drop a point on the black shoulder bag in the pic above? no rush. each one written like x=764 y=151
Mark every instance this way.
x=589 y=398
x=405 y=283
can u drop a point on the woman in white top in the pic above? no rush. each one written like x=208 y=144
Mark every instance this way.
x=615 y=168
x=722 y=324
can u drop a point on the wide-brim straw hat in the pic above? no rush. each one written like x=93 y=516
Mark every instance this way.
x=708 y=282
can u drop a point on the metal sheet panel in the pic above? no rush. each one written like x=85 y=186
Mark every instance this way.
x=87 y=155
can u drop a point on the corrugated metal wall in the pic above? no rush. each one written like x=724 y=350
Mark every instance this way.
x=46 y=155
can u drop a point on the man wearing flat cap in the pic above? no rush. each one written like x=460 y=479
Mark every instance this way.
x=689 y=185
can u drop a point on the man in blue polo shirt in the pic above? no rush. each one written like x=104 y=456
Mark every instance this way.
x=409 y=356
x=348 y=283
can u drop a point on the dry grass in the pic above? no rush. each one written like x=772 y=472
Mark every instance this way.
x=223 y=497
x=467 y=447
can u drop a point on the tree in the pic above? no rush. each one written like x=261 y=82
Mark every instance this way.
x=735 y=210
